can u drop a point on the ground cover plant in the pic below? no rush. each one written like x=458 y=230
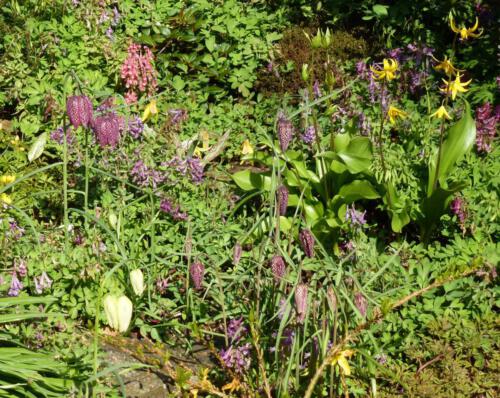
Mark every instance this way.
x=305 y=192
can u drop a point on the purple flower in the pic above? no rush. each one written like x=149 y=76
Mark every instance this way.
x=316 y=89
x=80 y=111
x=237 y=251
x=145 y=176
x=486 y=127
x=381 y=358
x=116 y=16
x=177 y=116
x=21 y=268
x=197 y=273
x=168 y=207
x=355 y=217
x=396 y=53
x=42 y=283
x=282 y=199
x=236 y=330
x=459 y=209
x=195 y=170
x=278 y=267
x=306 y=239
x=109 y=33
x=15 y=286
x=58 y=136
x=309 y=135
x=362 y=69
x=301 y=301
x=237 y=358
x=161 y=285
x=107 y=129
x=15 y=231
x=363 y=124
x=285 y=131
x=361 y=303
x=135 y=127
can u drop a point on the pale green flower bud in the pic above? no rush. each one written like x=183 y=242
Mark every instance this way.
x=137 y=281
x=118 y=312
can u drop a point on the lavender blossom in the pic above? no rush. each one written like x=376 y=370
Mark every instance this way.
x=109 y=33
x=197 y=273
x=459 y=209
x=364 y=124
x=58 y=136
x=362 y=70
x=21 y=267
x=15 y=231
x=145 y=176
x=316 y=89
x=135 y=127
x=285 y=131
x=177 y=116
x=381 y=358
x=195 y=170
x=236 y=330
x=162 y=285
x=80 y=111
x=301 y=301
x=282 y=199
x=361 y=303
x=42 y=283
x=309 y=135
x=237 y=358
x=278 y=267
x=306 y=239
x=15 y=286
x=116 y=16
x=355 y=217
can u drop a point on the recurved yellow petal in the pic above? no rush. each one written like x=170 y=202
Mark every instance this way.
x=246 y=148
x=441 y=113
x=7 y=179
x=233 y=386
x=394 y=113
x=150 y=110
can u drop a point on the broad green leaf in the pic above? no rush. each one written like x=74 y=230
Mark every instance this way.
x=341 y=142
x=358 y=189
x=210 y=43
x=380 y=10
x=458 y=142
x=249 y=181
x=178 y=83
x=37 y=147
x=357 y=156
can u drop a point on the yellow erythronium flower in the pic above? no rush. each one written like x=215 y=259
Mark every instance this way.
x=394 y=113
x=455 y=86
x=341 y=360
x=7 y=179
x=150 y=110
x=465 y=32
x=441 y=113
x=246 y=148
x=5 y=199
x=446 y=66
x=388 y=71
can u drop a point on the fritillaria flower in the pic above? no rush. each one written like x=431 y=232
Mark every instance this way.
x=282 y=199
x=80 y=111
x=197 y=272
x=306 y=239
x=361 y=303
x=278 y=267
x=301 y=301
x=107 y=129
x=285 y=131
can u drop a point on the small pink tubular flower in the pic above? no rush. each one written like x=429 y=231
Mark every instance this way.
x=138 y=72
x=80 y=111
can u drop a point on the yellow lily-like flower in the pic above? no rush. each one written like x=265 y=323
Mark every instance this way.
x=341 y=360
x=5 y=199
x=441 y=113
x=246 y=148
x=394 y=113
x=388 y=71
x=235 y=385
x=455 y=86
x=446 y=66
x=466 y=32
x=7 y=179
x=150 y=110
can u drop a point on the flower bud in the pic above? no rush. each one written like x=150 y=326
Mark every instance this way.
x=306 y=239
x=197 y=272
x=305 y=72
x=118 y=312
x=282 y=199
x=80 y=111
x=278 y=267
x=237 y=251
x=316 y=41
x=326 y=39
x=285 y=131
x=301 y=301
x=137 y=281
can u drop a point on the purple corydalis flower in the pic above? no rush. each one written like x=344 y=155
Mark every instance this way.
x=21 y=267
x=161 y=285
x=278 y=267
x=381 y=358
x=316 y=89
x=237 y=358
x=309 y=135
x=197 y=273
x=80 y=111
x=361 y=303
x=285 y=131
x=145 y=176
x=237 y=251
x=116 y=16
x=168 y=207
x=486 y=127
x=282 y=199
x=236 y=330
x=177 y=116
x=58 y=136
x=195 y=170
x=15 y=231
x=362 y=69
x=15 y=286
x=107 y=129
x=301 y=301
x=42 y=283
x=355 y=217
x=135 y=127
x=458 y=208
x=306 y=239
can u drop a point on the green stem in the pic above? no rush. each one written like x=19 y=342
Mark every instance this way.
x=65 y=187
x=379 y=145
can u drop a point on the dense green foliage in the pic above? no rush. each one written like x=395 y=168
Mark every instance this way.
x=258 y=177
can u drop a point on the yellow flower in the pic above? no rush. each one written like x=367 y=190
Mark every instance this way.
x=441 y=113
x=394 y=113
x=388 y=71
x=341 y=360
x=246 y=148
x=16 y=143
x=233 y=386
x=150 y=110
x=205 y=139
x=5 y=199
x=7 y=179
x=446 y=66
x=455 y=86
x=465 y=32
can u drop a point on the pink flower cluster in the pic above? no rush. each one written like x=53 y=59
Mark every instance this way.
x=138 y=72
x=486 y=124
